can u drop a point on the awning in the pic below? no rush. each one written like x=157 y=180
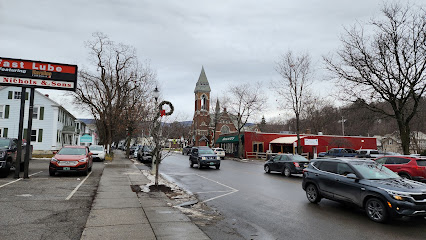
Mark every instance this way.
x=285 y=140
x=227 y=139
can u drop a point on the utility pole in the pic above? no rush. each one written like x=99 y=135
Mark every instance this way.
x=343 y=125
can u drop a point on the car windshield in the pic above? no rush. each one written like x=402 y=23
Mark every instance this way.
x=298 y=158
x=373 y=171
x=72 y=151
x=206 y=151
x=96 y=148
x=148 y=149
x=4 y=143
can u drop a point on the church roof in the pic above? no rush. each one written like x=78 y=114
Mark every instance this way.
x=202 y=84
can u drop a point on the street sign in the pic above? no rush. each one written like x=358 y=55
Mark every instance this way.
x=28 y=73
x=86 y=138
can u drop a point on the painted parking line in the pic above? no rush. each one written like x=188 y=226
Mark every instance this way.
x=233 y=190
x=76 y=188
x=19 y=179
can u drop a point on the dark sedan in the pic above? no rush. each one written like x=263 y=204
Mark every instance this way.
x=366 y=184
x=287 y=164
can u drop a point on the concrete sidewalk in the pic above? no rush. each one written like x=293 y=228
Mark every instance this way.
x=120 y=213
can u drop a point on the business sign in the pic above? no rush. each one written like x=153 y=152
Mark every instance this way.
x=311 y=142
x=85 y=138
x=28 y=73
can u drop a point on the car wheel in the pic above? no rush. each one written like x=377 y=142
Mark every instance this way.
x=267 y=169
x=51 y=173
x=85 y=172
x=287 y=172
x=312 y=193
x=405 y=175
x=191 y=164
x=217 y=167
x=376 y=210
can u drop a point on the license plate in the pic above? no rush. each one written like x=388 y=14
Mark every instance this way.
x=66 y=168
x=212 y=163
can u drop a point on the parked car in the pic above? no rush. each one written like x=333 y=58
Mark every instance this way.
x=98 y=152
x=71 y=159
x=287 y=164
x=8 y=153
x=406 y=166
x=366 y=184
x=132 y=149
x=135 y=153
x=219 y=152
x=186 y=150
x=339 y=152
x=145 y=153
x=203 y=156
x=369 y=153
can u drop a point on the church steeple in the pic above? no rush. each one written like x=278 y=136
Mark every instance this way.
x=202 y=84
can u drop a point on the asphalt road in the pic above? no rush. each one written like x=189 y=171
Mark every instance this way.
x=45 y=207
x=256 y=205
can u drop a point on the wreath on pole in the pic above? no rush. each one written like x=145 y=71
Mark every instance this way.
x=162 y=111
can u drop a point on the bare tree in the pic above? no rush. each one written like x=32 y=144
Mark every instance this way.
x=245 y=101
x=388 y=65
x=117 y=88
x=293 y=85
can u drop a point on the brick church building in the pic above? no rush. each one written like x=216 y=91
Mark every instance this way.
x=207 y=126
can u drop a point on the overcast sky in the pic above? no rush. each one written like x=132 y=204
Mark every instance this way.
x=235 y=40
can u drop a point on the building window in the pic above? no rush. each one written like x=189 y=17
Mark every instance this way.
x=204 y=102
x=17 y=95
x=33 y=135
x=258 y=147
x=3 y=132
x=35 y=112
x=224 y=129
x=2 y=111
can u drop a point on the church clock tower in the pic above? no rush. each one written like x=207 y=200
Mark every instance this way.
x=201 y=120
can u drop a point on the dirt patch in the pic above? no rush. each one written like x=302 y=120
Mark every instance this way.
x=160 y=188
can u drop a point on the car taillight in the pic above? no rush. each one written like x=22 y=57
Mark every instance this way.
x=296 y=164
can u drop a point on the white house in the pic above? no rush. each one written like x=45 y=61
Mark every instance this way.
x=53 y=126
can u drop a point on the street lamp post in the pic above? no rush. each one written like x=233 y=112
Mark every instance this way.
x=156 y=94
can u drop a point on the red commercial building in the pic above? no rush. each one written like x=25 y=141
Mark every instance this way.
x=286 y=143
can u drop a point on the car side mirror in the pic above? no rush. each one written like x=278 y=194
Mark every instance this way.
x=351 y=176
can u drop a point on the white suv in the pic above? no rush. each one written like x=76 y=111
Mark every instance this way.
x=219 y=152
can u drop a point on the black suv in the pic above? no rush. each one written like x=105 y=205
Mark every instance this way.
x=8 y=150
x=203 y=156
x=367 y=184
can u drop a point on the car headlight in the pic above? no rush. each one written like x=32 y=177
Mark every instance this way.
x=400 y=196
x=203 y=158
x=2 y=154
x=53 y=160
x=218 y=158
x=83 y=160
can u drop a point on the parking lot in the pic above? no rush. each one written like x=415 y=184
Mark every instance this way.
x=44 y=207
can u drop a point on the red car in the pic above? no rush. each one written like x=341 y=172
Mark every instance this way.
x=406 y=166
x=71 y=159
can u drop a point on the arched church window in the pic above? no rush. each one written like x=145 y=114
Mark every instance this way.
x=224 y=129
x=204 y=102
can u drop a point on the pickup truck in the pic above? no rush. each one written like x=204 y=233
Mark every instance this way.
x=339 y=152
x=8 y=154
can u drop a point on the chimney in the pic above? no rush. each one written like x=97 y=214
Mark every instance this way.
x=47 y=95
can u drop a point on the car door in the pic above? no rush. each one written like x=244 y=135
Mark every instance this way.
x=326 y=177
x=274 y=166
x=346 y=189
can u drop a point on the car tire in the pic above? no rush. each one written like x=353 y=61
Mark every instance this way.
x=267 y=169
x=191 y=164
x=313 y=194
x=217 y=167
x=376 y=210
x=85 y=172
x=52 y=173
x=405 y=175
x=287 y=172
